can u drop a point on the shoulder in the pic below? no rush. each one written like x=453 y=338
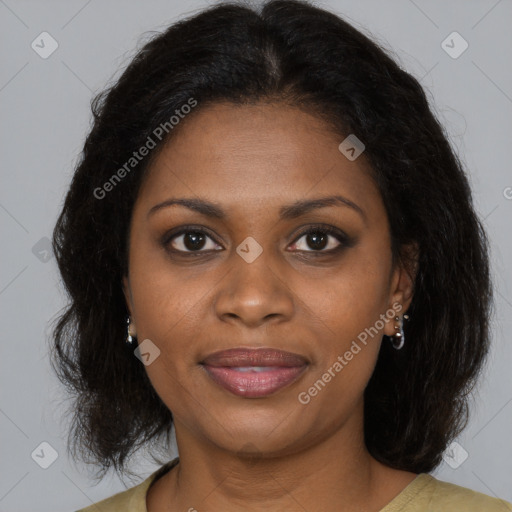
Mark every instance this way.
x=439 y=495
x=133 y=499
x=118 y=502
x=448 y=494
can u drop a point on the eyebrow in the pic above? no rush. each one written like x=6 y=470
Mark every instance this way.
x=286 y=212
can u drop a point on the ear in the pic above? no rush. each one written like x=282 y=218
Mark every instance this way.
x=402 y=283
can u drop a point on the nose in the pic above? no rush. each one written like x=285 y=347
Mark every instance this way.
x=254 y=294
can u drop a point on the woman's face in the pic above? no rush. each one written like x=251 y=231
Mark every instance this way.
x=253 y=279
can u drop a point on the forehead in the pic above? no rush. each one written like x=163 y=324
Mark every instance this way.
x=254 y=156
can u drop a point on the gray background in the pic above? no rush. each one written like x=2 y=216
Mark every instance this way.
x=45 y=115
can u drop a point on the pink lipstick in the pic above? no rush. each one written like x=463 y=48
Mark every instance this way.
x=254 y=373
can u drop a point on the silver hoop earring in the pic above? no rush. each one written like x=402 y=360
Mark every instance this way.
x=398 y=339
x=129 y=337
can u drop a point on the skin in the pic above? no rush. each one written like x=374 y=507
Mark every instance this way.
x=271 y=453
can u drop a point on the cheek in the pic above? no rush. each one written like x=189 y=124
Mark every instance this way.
x=350 y=297
x=346 y=307
x=173 y=310
x=170 y=312
x=170 y=309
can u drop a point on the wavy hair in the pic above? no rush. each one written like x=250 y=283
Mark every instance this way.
x=293 y=52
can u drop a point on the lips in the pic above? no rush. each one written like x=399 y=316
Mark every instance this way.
x=254 y=357
x=254 y=373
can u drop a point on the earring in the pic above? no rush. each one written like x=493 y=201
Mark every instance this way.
x=398 y=339
x=129 y=337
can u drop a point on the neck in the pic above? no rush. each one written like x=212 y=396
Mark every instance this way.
x=334 y=474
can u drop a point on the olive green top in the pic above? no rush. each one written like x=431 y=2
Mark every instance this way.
x=424 y=494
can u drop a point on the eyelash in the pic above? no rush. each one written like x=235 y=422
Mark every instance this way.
x=345 y=241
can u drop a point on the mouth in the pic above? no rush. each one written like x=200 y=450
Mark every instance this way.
x=254 y=373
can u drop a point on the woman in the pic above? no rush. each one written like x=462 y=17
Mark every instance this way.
x=269 y=214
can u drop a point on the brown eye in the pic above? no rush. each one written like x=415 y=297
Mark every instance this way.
x=322 y=239
x=316 y=240
x=191 y=240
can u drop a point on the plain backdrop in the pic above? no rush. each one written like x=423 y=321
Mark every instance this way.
x=45 y=115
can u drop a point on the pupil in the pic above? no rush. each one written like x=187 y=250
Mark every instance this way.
x=317 y=240
x=193 y=240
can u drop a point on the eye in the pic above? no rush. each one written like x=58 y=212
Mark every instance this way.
x=190 y=240
x=322 y=239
